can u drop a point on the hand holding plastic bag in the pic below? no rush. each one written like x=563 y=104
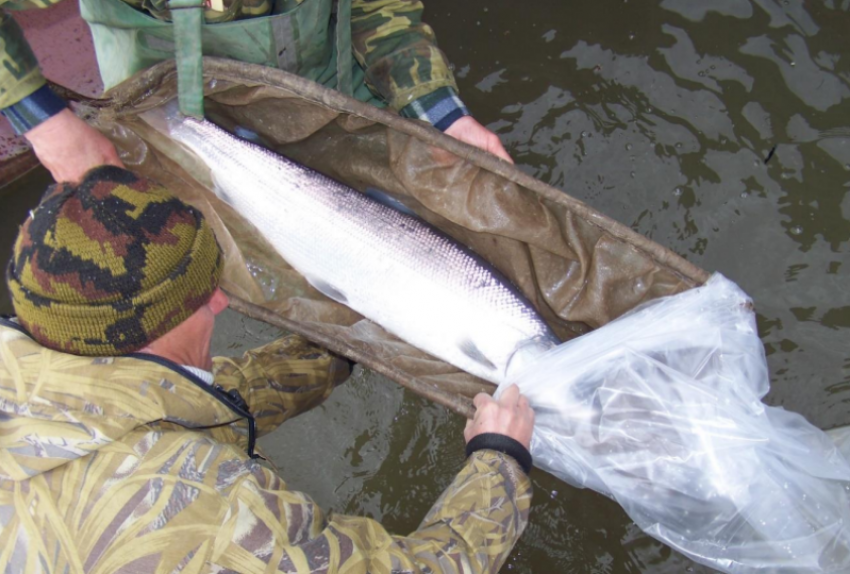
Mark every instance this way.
x=661 y=410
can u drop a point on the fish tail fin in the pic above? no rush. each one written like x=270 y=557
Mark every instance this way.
x=532 y=352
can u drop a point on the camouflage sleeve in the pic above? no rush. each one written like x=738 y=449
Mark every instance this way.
x=19 y=73
x=398 y=51
x=471 y=529
x=281 y=379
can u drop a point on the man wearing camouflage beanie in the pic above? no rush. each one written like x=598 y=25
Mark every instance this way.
x=108 y=266
x=124 y=446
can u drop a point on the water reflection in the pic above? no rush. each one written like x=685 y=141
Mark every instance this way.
x=16 y=201
x=664 y=117
x=721 y=130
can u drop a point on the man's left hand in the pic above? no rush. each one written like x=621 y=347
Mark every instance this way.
x=510 y=415
x=468 y=130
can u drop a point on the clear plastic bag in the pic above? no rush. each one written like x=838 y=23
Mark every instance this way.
x=661 y=410
x=841 y=437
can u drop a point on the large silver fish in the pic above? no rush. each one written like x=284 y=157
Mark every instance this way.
x=392 y=268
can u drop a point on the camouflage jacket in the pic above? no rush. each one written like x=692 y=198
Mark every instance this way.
x=132 y=465
x=397 y=50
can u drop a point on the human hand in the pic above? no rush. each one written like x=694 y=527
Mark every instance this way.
x=511 y=416
x=68 y=147
x=468 y=130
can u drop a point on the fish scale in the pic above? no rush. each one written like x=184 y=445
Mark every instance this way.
x=392 y=268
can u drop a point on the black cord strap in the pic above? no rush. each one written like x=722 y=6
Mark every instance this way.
x=501 y=443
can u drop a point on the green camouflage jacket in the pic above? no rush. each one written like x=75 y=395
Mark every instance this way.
x=131 y=465
x=397 y=50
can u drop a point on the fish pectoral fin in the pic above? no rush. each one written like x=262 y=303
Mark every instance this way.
x=222 y=193
x=248 y=135
x=468 y=348
x=328 y=290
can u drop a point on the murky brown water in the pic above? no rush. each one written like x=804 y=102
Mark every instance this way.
x=15 y=202
x=663 y=116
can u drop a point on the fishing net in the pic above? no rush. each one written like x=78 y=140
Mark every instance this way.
x=659 y=409
x=579 y=268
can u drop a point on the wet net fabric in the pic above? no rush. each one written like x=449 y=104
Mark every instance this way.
x=662 y=411
x=579 y=268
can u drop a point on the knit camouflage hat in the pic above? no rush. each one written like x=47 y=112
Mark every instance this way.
x=107 y=266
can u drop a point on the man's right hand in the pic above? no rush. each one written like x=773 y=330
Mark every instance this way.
x=511 y=416
x=68 y=147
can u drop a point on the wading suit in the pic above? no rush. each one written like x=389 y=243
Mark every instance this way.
x=394 y=52
x=133 y=464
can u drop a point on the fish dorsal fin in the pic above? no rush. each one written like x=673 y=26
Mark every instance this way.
x=248 y=135
x=468 y=348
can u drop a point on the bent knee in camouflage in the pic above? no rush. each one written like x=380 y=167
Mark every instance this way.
x=282 y=379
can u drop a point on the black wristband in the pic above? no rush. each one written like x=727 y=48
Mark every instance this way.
x=39 y=106
x=503 y=444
